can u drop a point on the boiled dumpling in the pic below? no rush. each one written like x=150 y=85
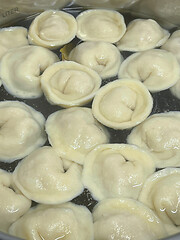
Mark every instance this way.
x=159 y=134
x=21 y=130
x=122 y=104
x=157 y=69
x=66 y=221
x=116 y=170
x=143 y=34
x=12 y=203
x=102 y=57
x=52 y=29
x=21 y=70
x=74 y=132
x=173 y=44
x=123 y=218
x=100 y=25
x=12 y=37
x=69 y=84
x=161 y=193
x=43 y=177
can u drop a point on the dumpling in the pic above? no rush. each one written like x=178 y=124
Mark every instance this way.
x=66 y=221
x=21 y=130
x=12 y=37
x=69 y=84
x=157 y=69
x=143 y=34
x=74 y=132
x=52 y=29
x=100 y=25
x=122 y=104
x=116 y=170
x=12 y=203
x=123 y=218
x=42 y=177
x=102 y=57
x=21 y=70
x=161 y=193
x=173 y=44
x=159 y=134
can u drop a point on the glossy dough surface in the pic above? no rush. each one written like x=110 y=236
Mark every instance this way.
x=122 y=104
x=52 y=29
x=161 y=193
x=69 y=84
x=123 y=218
x=157 y=69
x=12 y=203
x=21 y=77
x=102 y=57
x=100 y=25
x=44 y=178
x=160 y=134
x=143 y=34
x=12 y=37
x=21 y=130
x=116 y=170
x=74 y=132
x=66 y=221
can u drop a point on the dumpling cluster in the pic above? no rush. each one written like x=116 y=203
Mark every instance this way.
x=135 y=202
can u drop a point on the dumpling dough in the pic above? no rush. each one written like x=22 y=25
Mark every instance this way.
x=123 y=218
x=69 y=84
x=21 y=130
x=21 y=70
x=74 y=132
x=143 y=34
x=160 y=134
x=173 y=44
x=157 y=69
x=42 y=177
x=12 y=37
x=12 y=203
x=100 y=25
x=116 y=170
x=52 y=29
x=102 y=57
x=122 y=104
x=65 y=221
x=161 y=193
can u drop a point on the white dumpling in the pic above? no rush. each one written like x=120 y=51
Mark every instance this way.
x=52 y=29
x=173 y=44
x=116 y=170
x=123 y=218
x=142 y=34
x=102 y=57
x=161 y=193
x=159 y=134
x=66 y=221
x=100 y=25
x=122 y=104
x=12 y=203
x=12 y=37
x=74 y=132
x=157 y=69
x=21 y=70
x=21 y=130
x=69 y=84
x=42 y=177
